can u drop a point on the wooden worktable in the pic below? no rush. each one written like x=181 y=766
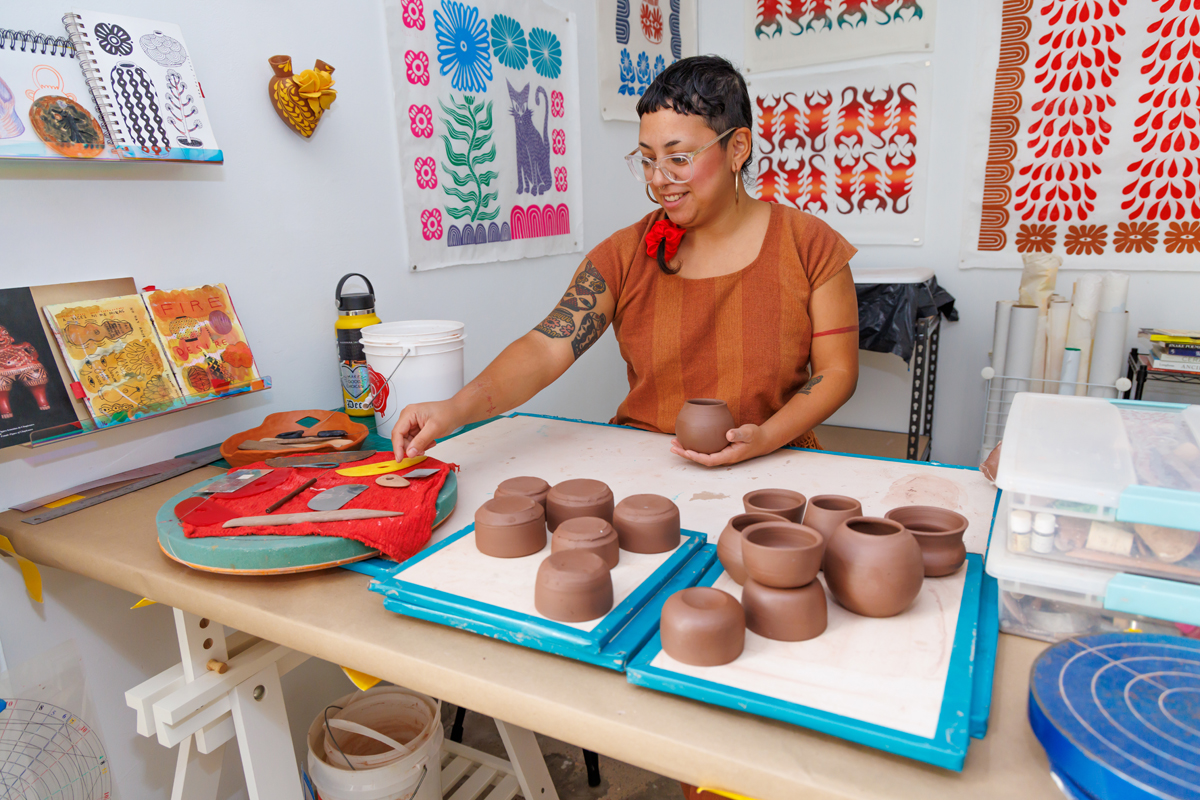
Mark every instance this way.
x=332 y=616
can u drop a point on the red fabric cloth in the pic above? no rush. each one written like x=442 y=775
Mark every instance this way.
x=397 y=537
x=662 y=230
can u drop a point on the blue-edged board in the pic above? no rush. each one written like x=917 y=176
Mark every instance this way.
x=527 y=625
x=986 y=642
x=947 y=748
x=270 y=555
x=1119 y=715
x=619 y=649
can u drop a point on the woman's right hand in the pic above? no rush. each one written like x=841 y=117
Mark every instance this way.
x=421 y=424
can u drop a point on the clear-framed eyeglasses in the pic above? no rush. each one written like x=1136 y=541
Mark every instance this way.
x=677 y=167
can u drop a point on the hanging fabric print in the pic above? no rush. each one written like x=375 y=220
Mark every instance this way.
x=487 y=114
x=796 y=33
x=1094 y=131
x=635 y=41
x=849 y=147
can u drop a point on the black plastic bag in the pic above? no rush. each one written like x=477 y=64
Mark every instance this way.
x=888 y=314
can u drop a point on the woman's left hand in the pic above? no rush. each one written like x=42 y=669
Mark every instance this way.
x=746 y=442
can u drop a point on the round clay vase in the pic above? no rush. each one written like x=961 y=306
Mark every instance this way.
x=510 y=527
x=873 y=567
x=782 y=502
x=702 y=626
x=939 y=532
x=786 y=615
x=826 y=512
x=647 y=523
x=581 y=497
x=535 y=489
x=591 y=534
x=573 y=586
x=729 y=545
x=782 y=555
x=702 y=424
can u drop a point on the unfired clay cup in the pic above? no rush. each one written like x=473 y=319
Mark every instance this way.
x=647 y=523
x=729 y=545
x=510 y=527
x=581 y=497
x=535 y=489
x=939 y=532
x=873 y=567
x=786 y=615
x=826 y=512
x=702 y=626
x=702 y=425
x=591 y=534
x=783 y=502
x=782 y=555
x=573 y=586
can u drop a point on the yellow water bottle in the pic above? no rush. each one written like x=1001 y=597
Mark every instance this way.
x=355 y=312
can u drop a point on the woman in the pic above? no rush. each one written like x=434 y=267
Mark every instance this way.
x=715 y=294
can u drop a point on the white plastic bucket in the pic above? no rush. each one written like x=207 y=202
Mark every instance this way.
x=392 y=736
x=415 y=361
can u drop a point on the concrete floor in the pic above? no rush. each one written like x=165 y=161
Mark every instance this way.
x=619 y=781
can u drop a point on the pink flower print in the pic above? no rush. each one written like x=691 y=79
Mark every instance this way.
x=417 y=65
x=559 y=139
x=431 y=225
x=426 y=173
x=560 y=179
x=420 y=119
x=556 y=103
x=414 y=14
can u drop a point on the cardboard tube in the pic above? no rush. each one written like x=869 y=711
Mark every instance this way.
x=1070 y=371
x=1108 y=353
x=993 y=423
x=1082 y=324
x=1038 y=370
x=1058 y=317
x=1114 y=291
x=1018 y=360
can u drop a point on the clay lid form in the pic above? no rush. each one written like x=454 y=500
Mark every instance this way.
x=505 y=511
x=784 y=502
x=786 y=615
x=524 y=486
x=573 y=586
x=729 y=544
x=510 y=527
x=647 y=523
x=782 y=555
x=702 y=626
x=590 y=534
x=579 y=497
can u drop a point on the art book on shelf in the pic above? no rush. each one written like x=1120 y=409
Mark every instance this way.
x=1170 y=335
x=145 y=85
x=33 y=396
x=113 y=352
x=204 y=340
x=1161 y=352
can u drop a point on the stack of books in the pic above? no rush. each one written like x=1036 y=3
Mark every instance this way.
x=1173 y=350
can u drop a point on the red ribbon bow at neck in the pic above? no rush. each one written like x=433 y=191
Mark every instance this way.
x=668 y=235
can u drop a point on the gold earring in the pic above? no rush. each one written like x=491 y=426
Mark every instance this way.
x=650 y=196
x=737 y=196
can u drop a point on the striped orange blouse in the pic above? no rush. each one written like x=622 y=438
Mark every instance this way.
x=743 y=337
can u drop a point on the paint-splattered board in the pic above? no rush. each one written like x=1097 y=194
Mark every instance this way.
x=636 y=462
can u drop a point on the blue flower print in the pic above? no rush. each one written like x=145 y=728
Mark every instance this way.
x=660 y=64
x=508 y=42
x=462 y=39
x=627 y=76
x=644 y=75
x=546 y=53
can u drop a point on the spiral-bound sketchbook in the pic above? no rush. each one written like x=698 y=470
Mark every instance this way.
x=144 y=84
x=46 y=109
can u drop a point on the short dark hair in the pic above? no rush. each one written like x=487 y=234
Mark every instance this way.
x=707 y=86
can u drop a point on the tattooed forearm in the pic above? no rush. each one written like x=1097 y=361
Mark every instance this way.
x=590 y=329
x=808 y=387
x=580 y=296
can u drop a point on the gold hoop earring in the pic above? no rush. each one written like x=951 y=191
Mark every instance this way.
x=737 y=195
x=651 y=196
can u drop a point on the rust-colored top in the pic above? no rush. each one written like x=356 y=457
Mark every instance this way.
x=742 y=337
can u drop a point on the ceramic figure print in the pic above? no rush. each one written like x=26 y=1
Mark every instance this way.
x=663 y=31
x=32 y=395
x=489 y=129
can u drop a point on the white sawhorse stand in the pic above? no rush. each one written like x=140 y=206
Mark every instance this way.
x=199 y=710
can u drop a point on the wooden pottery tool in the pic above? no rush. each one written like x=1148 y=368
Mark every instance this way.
x=199 y=512
x=308 y=443
x=276 y=477
x=326 y=460
x=234 y=481
x=391 y=481
x=303 y=434
x=341 y=515
x=335 y=497
x=380 y=468
x=278 y=504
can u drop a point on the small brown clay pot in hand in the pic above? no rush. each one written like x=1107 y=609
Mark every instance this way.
x=573 y=586
x=729 y=545
x=785 y=615
x=703 y=627
x=782 y=555
x=702 y=425
x=591 y=534
x=873 y=567
x=647 y=523
x=535 y=489
x=580 y=497
x=510 y=527
x=939 y=533
x=826 y=512
x=784 y=502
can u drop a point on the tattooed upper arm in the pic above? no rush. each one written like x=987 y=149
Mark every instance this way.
x=582 y=314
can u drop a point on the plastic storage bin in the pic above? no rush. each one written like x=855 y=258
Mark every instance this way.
x=1104 y=483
